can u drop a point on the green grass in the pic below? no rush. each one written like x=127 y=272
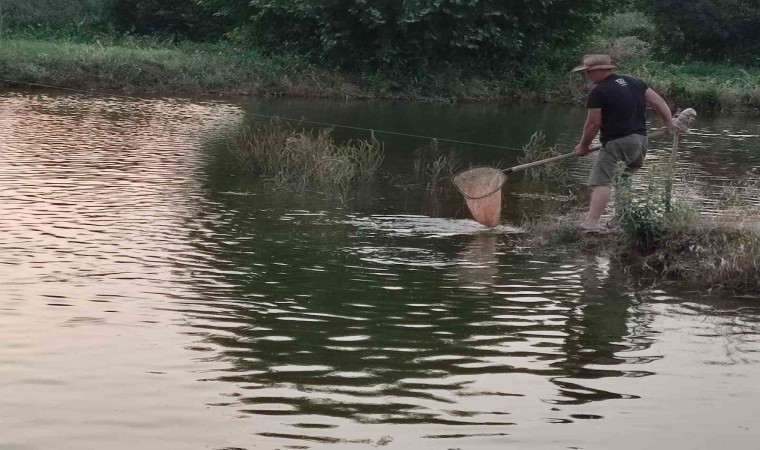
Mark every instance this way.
x=629 y=37
x=188 y=69
x=667 y=240
x=706 y=253
x=80 y=54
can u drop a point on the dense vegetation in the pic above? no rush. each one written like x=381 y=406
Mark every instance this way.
x=718 y=30
x=700 y=53
x=483 y=36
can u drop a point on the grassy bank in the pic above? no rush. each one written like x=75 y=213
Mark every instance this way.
x=81 y=57
x=630 y=38
x=140 y=67
x=655 y=245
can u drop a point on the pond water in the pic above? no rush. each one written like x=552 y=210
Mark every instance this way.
x=153 y=297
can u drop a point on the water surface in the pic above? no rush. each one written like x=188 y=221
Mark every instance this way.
x=154 y=297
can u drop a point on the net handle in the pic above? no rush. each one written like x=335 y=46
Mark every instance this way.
x=541 y=162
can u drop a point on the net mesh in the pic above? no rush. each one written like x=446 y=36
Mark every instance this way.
x=481 y=188
x=479 y=182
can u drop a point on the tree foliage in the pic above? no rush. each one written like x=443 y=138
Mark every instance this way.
x=185 y=18
x=391 y=35
x=709 y=29
x=54 y=12
x=412 y=37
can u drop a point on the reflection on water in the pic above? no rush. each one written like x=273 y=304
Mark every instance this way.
x=152 y=296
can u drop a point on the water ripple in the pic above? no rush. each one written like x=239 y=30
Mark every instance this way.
x=151 y=292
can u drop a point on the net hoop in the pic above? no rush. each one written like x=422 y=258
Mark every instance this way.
x=479 y=182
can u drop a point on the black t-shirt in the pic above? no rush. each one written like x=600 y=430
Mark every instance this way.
x=621 y=99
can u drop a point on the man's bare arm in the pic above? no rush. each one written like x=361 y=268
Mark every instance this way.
x=659 y=105
x=590 y=129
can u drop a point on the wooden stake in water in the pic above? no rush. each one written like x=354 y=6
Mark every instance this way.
x=672 y=172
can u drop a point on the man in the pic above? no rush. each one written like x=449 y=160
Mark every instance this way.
x=616 y=108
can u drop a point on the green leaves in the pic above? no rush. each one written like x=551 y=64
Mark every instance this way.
x=409 y=38
x=419 y=36
x=722 y=30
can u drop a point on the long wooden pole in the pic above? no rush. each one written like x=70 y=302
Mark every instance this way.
x=685 y=120
x=541 y=162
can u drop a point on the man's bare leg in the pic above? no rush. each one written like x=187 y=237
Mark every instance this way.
x=600 y=197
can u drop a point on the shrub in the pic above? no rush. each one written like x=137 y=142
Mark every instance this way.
x=629 y=23
x=642 y=216
x=433 y=163
x=55 y=12
x=418 y=36
x=711 y=29
x=182 y=18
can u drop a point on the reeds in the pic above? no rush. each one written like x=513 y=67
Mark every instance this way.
x=537 y=149
x=432 y=163
x=295 y=158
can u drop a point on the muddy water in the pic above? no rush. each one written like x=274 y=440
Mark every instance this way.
x=152 y=297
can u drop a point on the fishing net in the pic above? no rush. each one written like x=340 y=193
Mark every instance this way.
x=481 y=188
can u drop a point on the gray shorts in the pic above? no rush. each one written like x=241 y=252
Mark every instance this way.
x=629 y=151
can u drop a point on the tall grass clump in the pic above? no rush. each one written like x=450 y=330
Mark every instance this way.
x=646 y=216
x=432 y=163
x=296 y=158
x=537 y=149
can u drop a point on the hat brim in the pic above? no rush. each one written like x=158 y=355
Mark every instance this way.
x=585 y=68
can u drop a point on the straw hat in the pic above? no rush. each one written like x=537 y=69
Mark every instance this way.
x=595 y=62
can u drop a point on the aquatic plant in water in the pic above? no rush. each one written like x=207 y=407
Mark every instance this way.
x=297 y=158
x=433 y=163
x=536 y=149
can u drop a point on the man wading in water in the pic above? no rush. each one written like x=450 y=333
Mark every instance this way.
x=616 y=108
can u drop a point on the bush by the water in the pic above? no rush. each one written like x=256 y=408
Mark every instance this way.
x=718 y=30
x=54 y=12
x=413 y=36
x=293 y=157
x=188 y=19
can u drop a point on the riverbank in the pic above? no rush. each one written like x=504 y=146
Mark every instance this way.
x=147 y=67
x=707 y=253
x=161 y=69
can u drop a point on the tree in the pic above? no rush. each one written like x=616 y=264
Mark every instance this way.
x=708 y=29
x=186 y=18
x=415 y=35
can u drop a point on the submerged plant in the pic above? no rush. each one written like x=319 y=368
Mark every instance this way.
x=536 y=149
x=432 y=163
x=298 y=158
